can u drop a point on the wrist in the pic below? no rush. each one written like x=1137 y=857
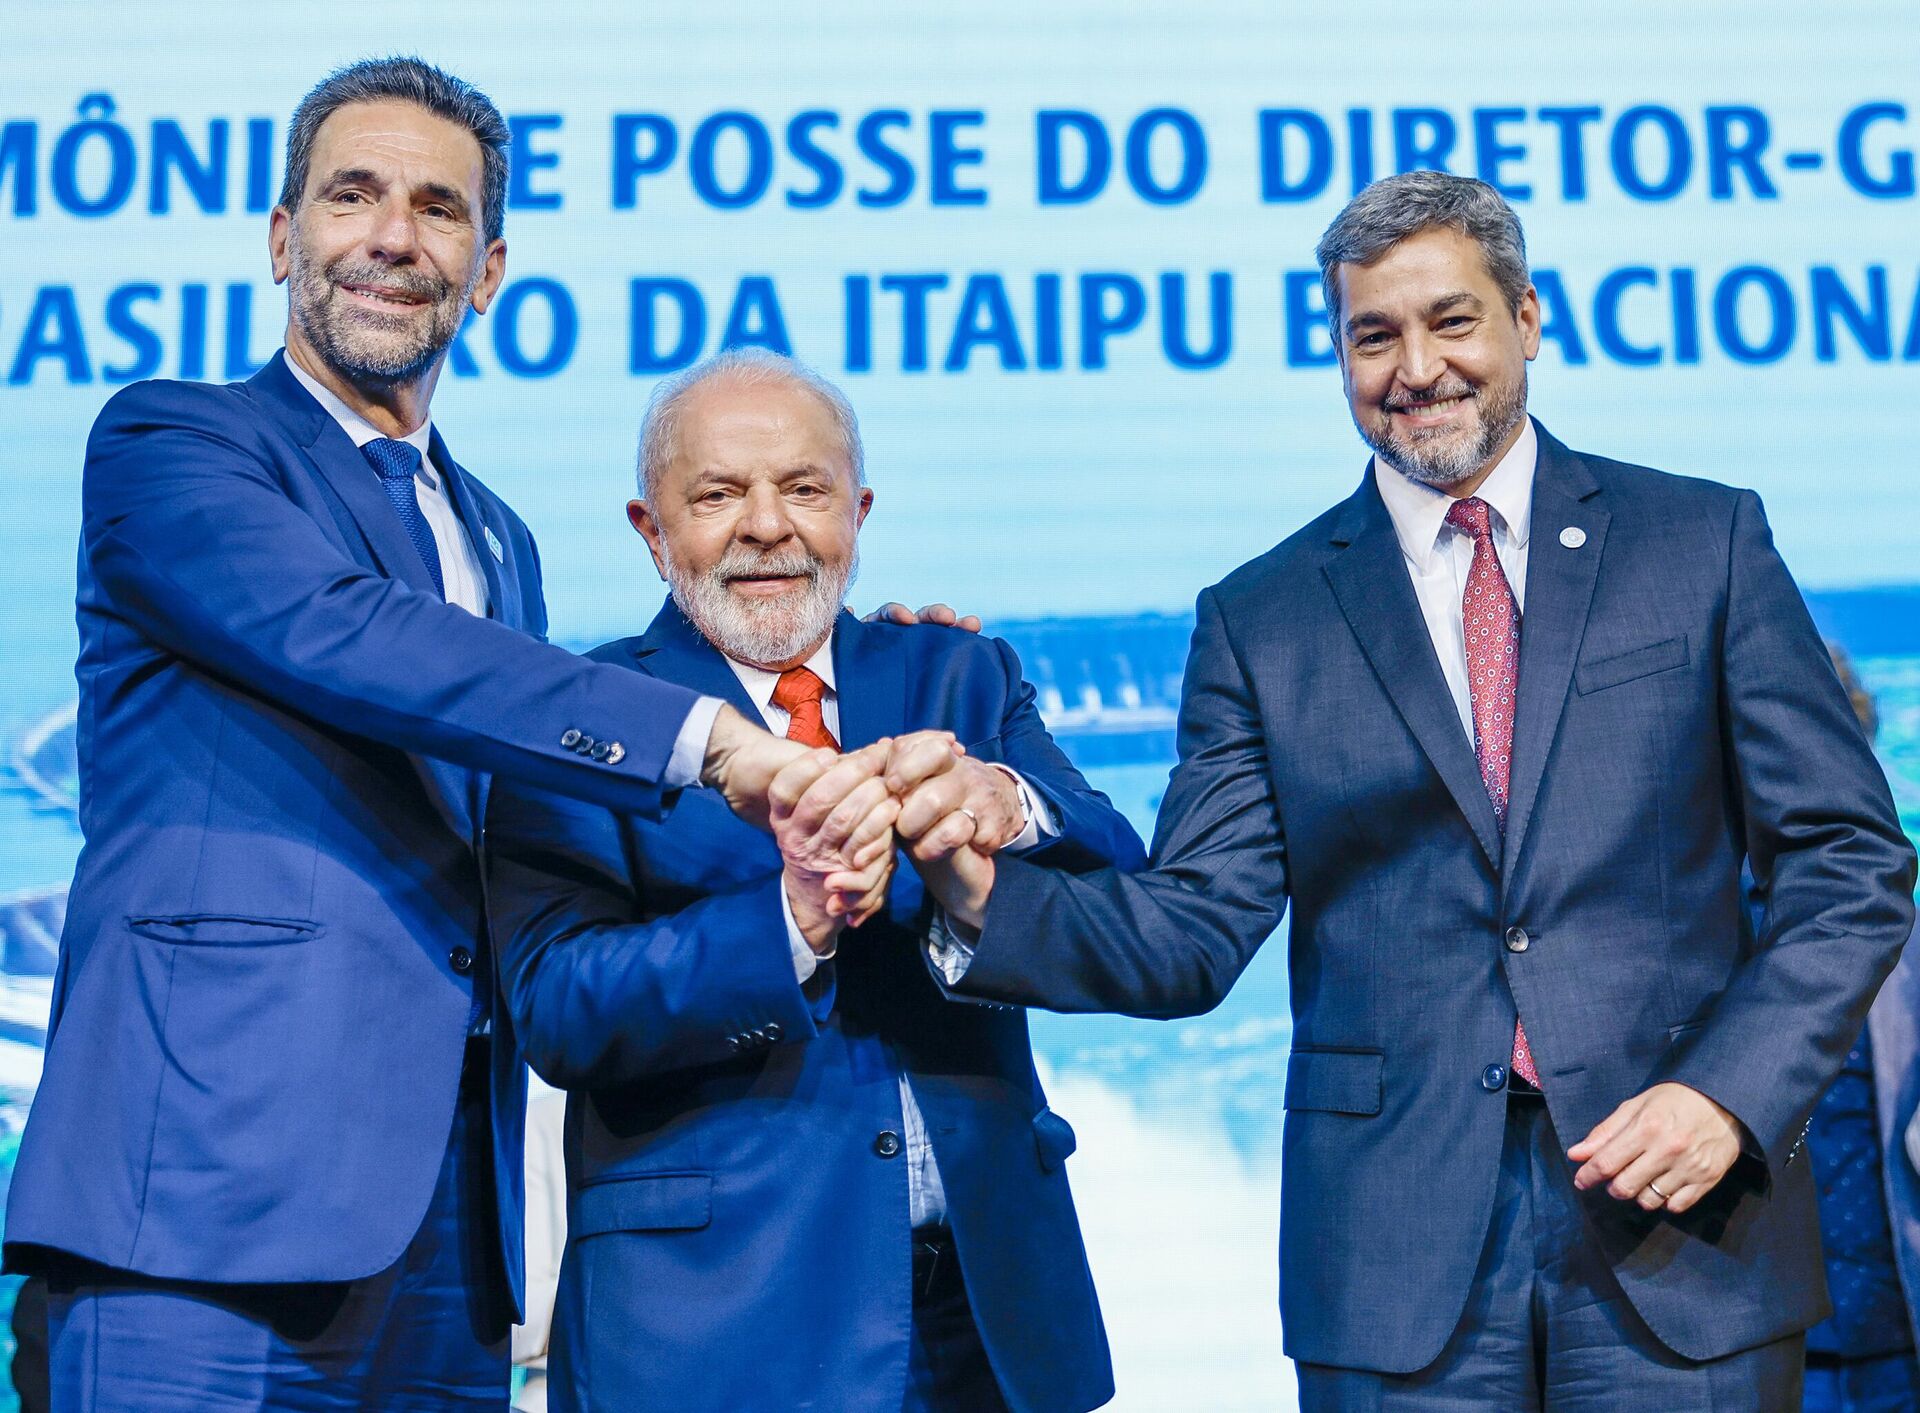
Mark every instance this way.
x=722 y=741
x=807 y=903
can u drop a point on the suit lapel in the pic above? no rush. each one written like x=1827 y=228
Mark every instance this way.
x=1370 y=581
x=870 y=682
x=503 y=601
x=1560 y=583
x=343 y=470
x=673 y=650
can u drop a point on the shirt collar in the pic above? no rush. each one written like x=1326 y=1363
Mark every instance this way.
x=1419 y=513
x=359 y=428
x=760 y=683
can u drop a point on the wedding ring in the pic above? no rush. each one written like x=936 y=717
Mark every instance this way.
x=1656 y=1191
x=970 y=815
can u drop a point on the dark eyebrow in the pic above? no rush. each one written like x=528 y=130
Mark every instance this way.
x=1453 y=299
x=442 y=195
x=350 y=176
x=1457 y=298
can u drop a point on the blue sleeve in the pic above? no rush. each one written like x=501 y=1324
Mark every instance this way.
x=601 y=990
x=1169 y=941
x=190 y=536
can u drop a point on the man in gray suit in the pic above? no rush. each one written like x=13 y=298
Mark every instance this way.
x=1548 y=1080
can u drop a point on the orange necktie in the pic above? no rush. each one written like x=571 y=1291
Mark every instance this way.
x=798 y=693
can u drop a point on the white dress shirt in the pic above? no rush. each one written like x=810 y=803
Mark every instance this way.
x=459 y=568
x=926 y=1197
x=1439 y=556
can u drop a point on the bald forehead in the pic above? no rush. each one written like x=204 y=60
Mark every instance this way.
x=734 y=421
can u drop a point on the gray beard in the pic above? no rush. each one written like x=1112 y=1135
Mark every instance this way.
x=762 y=632
x=1444 y=464
x=351 y=340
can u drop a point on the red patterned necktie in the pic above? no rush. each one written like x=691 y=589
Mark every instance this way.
x=1492 y=622
x=798 y=694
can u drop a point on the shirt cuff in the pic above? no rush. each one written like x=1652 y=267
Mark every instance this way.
x=690 y=746
x=805 y=960
x=1041 y=825
x=950 y=953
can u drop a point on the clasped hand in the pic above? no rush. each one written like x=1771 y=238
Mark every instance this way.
x=838 y=819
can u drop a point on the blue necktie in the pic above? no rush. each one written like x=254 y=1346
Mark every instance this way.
x=398 y=463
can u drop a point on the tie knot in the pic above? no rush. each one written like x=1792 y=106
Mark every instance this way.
x=1472 y=515
x=394 y=460
x=798 y=686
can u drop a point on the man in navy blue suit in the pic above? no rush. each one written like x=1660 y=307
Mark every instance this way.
x=274 y=1161
x=799 y=1177
x=1548 y=1080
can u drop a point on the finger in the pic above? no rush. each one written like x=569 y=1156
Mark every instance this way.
x=1683 y=1199
x=797 y=777
x=945 y=837
x=1639 y=1151
x=834 y=785
x=873 y=849
x=938 y=613
x=874 y=831
x=1611 y=1155
x=1633 y=1183
x=918 y=758
x=891 y=613
x=971 y=623
x=1604 y=1131
x=851 y=812
x=926 y=805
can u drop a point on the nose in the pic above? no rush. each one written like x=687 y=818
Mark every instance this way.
x=396 y=232
x=763 y=519
x=1422 y=361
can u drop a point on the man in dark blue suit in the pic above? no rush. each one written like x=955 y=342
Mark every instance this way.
x=274 y=1161
x=799 y=1177
x=1548 y=1081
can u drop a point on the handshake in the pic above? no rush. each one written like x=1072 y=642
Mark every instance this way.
x=839 y=818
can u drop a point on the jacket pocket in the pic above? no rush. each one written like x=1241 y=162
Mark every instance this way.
x=1335 y=1081
x=225 y=930
x=1631 y=665
x=1054 y=1139
x=652 y=1202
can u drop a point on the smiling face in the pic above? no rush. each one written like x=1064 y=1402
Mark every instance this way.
x=754 y=523
x=385 y=251
x=1434 y=362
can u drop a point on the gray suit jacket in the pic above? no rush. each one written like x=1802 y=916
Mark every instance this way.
x=1677 y=714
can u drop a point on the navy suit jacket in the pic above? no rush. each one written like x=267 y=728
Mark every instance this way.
x=262 y=995
x=737 y=1186
x=1677 y=714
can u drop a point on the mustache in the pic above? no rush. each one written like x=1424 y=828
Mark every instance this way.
x=742 y=563
x=1439 y=393
x=416 y=283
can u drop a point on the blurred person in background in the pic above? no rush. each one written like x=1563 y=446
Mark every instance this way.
x=1864 y=1142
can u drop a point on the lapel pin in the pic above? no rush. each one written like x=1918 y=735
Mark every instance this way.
x=1572 y=537
x=500 y=555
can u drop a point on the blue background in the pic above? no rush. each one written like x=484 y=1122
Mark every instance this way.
x=1719 y=200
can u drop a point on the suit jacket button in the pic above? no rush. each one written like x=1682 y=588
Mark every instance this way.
x=1493 y=1077
x=772 y=1032
x=569 y=739
x=600 y=750
x=615 y=753
x=461 y=960
x=1517 y=939
x=584 y=746
x=733 y=1044
x=887 y=1145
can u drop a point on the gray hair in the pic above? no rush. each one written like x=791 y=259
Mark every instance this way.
x=406 y=80
x=1395 y=208
x=750 y=367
